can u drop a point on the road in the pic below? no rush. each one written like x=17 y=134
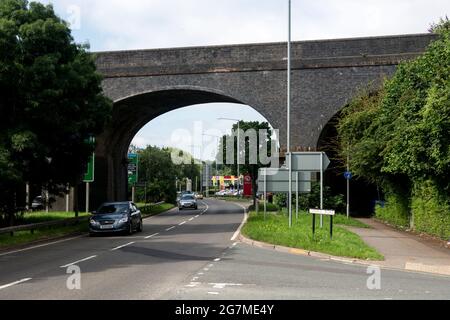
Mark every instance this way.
x=190 y=255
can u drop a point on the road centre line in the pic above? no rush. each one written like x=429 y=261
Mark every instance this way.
x=153 y=235
x=76 y=262
x=171 y=228
x=14 y=283
x=123 y=246
x=184 y=222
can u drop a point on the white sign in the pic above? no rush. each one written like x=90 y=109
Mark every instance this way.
x=308 y=161
x=322 y=212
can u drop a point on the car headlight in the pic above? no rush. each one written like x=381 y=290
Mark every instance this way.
x=93 y=222
x=124 y=219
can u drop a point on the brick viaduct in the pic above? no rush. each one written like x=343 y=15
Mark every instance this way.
x=326 y=74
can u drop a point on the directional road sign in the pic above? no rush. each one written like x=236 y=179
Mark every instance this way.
x=277 y=180
x=308 y=161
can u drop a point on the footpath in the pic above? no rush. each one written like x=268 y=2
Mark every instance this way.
x=403 y=250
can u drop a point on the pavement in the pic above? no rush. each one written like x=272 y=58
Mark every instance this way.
x=403 y=250
x=194 y=255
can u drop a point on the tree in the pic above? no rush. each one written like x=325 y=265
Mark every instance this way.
x=251 y=149
x=51 y=102
x=157 y=170
x=399 y=137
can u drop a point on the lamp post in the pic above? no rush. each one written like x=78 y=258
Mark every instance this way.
x=238 y=151
x=289 y=154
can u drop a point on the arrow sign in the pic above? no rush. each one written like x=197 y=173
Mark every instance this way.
x=308 y=161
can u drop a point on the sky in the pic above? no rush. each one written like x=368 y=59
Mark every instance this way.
x=146 y=24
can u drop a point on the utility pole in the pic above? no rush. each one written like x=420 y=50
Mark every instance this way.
x=289 y=154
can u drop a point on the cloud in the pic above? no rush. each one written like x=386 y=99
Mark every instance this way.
x=133 y=24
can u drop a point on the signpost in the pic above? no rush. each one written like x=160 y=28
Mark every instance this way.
x=312 y=162
x=322 y=213
x=89 y=177
x=133 y=176
x=277 y=180
x=348 y=176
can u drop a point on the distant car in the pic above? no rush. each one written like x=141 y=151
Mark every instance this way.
x=116 y=217
x=199 y=196
x=187 y=202
x=38 y=204
x=221 y=193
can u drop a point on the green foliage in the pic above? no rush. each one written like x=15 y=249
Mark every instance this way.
x=51 y=101
x=431 y=210
x=250 y=147
x=398 y=136
x=157 y=170
x=312 y=200
x=395 y=211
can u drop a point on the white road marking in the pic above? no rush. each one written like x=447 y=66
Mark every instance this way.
x=40 y=246
x=205 y=269
x=213 y=293
x=217 y=260
x=193 y=284
x=14 y=283
x=224 y=285
x=76 y=262
x=194 y=278
x=153 y=235
x=197 y=216
x=210 y=265
x=123 y=246
x=184 y=222
x=191 y=219
x=171 y=228
x=200 y=273
x=238 y=231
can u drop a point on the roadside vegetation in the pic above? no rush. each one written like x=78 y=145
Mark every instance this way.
x=274 y=229
x=398 y=139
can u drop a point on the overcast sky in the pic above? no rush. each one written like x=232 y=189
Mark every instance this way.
x=145 y=24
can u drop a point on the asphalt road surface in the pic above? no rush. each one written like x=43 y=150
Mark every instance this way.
x=191 y=255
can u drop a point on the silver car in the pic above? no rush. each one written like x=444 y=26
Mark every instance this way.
x=187 y=201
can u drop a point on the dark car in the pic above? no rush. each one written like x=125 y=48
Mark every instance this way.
x=116 y=217
x=187 y=201
x=38 y=204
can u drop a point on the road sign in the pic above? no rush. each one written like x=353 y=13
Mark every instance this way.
x=277 y=180
x=308 y=161
x=133 y=168
x=315 y=212
x=90 y=171
x=322 y=212
x=348 y=175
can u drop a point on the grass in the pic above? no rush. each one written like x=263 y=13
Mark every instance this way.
x=154 y=209
x=275 y=230
x=37 y=217
x=235 y=199
x=26 y=237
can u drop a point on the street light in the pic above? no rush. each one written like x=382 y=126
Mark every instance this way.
x=238 y=150
x=218 y=145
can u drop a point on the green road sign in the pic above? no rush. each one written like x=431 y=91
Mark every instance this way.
x=89 y=176
x=133 y=167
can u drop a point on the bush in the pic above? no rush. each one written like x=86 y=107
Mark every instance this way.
x=430 y=210
x=395 y=211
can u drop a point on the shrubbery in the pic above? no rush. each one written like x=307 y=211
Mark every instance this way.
x=398 y=138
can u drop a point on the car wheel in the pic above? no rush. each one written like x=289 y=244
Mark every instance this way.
x=141 y=227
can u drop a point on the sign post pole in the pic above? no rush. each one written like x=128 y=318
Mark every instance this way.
x=87 y=197
x=296 y=189
x=321 y=188
x=265 y=193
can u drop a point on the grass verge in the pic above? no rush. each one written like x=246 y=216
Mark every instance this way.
x=38 y=217
x=26 y=237
x=155 y=209
x=275 y=230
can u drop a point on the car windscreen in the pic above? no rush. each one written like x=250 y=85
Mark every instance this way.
x=113 y=208
x=187 y=198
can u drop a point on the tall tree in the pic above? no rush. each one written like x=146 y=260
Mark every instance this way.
x=51 y=101
x=253 y=148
